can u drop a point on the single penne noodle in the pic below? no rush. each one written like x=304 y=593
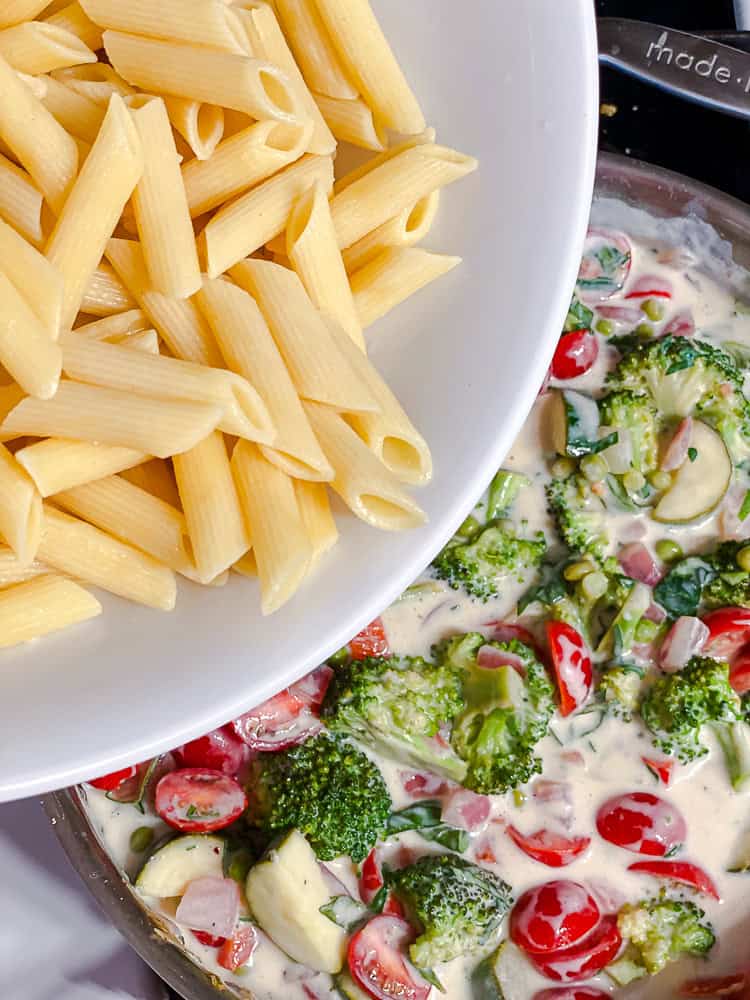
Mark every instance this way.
x=249 y=349
x=38 y=281
x=15 y=11
x=58 y=464
x=405 y=230
x=243 y=412
x=177 y=321
x=313 y=49
x=93 y=413
x=281 y=547
x=395 y=185
x=370 y=63
x=77 y=114
x=36 y=47
x=160 y=205
x=252 y=220
x=202 y=22
x=144 y=340
x=134 y=516
x=212 y=509
x=14 y=570
x=247 y=565
x=392 y=277
x=314 y=253
x=157 y=478
x=389 y=433
x=317 y=367
x=317 y=517
x=105 y=295
x=41 y=606
x=20 y=508
x=86 y=553
x=366 y=167
x=46 y=151
x=352 y=122
x=242 y=161
x=366 y=486
x=106 y=181
x=110 y=327
x=20 y=202
x=10 y=396
x=200 y=125
x=201 y=74
x=71 y=17
x=97 y=81
x=27 y=351
x=36 y=84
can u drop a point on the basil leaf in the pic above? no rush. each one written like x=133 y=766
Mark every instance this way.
x=548 y=591
x=345 y=912
x=680 y=592
x=425 y=817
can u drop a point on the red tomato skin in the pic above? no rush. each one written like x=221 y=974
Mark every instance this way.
x=642 y=823
x=209 y=940
x=220 y=750
x=371 y=878
x=238 y=949
x=371 y=641
x=199 y=791
x=575 y=354
x=277 y=724
x=109 y=782
x=572 y=667
x=662 y=769
x=716 y=986
x=679 y=871
x=377 y=960
x=728 y=631
x=739 y=673
x=572 y=993
x=552 y=917
x=585 y=959
x=549 y=849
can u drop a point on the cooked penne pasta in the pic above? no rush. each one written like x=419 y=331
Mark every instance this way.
x=15 y=11
x=98 y=82
x=317 y=368
x=201 y=74
x=317 y=517
x=58 y=464
x=367 y=166
x=144 y=340
x=249 y=222
x=92 y=413
x=71 y=17
x=314 y=253
x=13 y=570
x=77 y=114
x=20 y=508
x=392 y=277
x=209 y=498
x=200 y=125
x=111 y=327
x=249 y=349
x=243 y=412
x=178 y=321
x=281 y=547
x=46 y=151
x=370 y=63
x=36 y=47
x=105 y=294
x=242 y=161
x=393 y=186
x=246 y=566
x=202 y=22
x=20 y=201
x=160 y=205
x=38 y=281
x=41 y=606
x=105 y=183
x=26 y=349
x=313 y=49
x=366 y=486
x=155 y=477
x=80 y=550
x=352 y=122
x=407 y=228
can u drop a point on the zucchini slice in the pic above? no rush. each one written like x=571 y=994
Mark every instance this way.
x=348 y=988
x=505 y=975
x=170 y=868
x=699 y=485
x=575 y=425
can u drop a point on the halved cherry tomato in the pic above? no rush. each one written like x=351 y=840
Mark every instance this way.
x=642 y=823
x=371 y=878
x=728 y=632
x=220 y=750
x=650 y=287
x=209 y=940
x=553 y=916
x=371 y=641
x=575 y=354
x=287 y=719
x=393 y=908
x=678 y=871
x=109 y=782
x=585 y=959
x=572 y=662
x=239 y=948
x=199 y=800
x=378 y=963
x=549 y=848
x=739 y=673
x=661 y=769
x=507 y=631
x=717 y=986
x=572 y=993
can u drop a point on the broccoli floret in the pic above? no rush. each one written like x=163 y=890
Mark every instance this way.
x=730 y=587
x=660 y=931
x=456 y=906
x=328 y=789
x=493 y=552
x=677 y=706
x=505 y=716
x=579 y=515
x=398 y=705
x=629 y=412
x=620 y=687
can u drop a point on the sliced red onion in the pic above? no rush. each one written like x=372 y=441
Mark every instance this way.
x=650 y=286
x=686 y=638
x=335 y=886
x=545 y=790
x=491 y=658
x=210 y=904
x=638 y=563
x=731 y=529
x=574 y=757
x=681 y=325
x=621 y=314
x=422 y=786
x=466 y=810
x=677 y=450
x=655 y=613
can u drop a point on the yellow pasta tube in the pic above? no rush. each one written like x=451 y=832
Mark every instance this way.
x=249 y=349
x=106 y=181
x=143 y=340
x=58 y=464
x=281 y=547
x=371 y=64
x=20 y=508
x=209 y=498
x=367 y=166
x=15 y=11
x=317 y=517
x=97 y=81
x=92 y=413
x=35 y=47
x=47 y=151
x=202 y=22
x=41 y=606
x=160 y=205
x=105 y=294
x=72 y=18
x=38 y=281
x=26 y=348
x=248 y=223
x=13 y=570
x=77 y=114
x=407 y=228
x=155 y=477
x=313 y=49
x=242 y=161
x=392 y=277
x=112 y=327
x=352 y=122
x=85 y=553
x=314 y=253
x=366 y=486
x=200 y=125
x=20 y=202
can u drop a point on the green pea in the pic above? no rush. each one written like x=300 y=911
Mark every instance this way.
x=519 y=797
x=577 y=571
x=469 y=527
x=633 y=481
x=743 y=559
x=644 y=330
x=563 y=468
x=605 y=327
x=141 y=839
x=340 y=657
x=668 y=551
x=594 y=468
x=660 y=480
x=653 y=309
x=646 y=631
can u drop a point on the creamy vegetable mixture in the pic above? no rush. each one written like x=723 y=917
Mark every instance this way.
x=529 y=778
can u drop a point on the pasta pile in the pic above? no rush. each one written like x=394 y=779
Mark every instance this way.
x=184 y=287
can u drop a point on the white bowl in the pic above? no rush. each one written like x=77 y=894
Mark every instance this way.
x=515 y=83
